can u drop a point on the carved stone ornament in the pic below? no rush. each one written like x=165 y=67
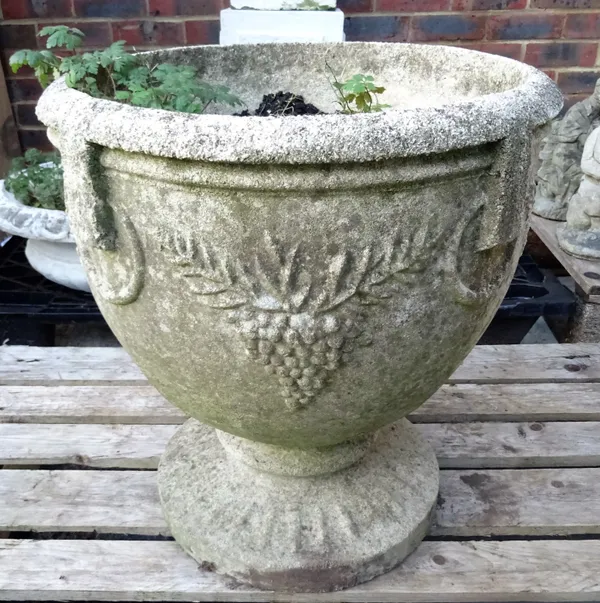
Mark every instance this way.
x=298 y=285
x=50 y=247
x=559 y=175
x=580 y=236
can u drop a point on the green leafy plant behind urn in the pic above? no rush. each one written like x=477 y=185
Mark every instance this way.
x=358 y=94
x=36 y=179
x=114 y=73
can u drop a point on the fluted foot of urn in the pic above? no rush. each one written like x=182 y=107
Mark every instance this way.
x=298 y=520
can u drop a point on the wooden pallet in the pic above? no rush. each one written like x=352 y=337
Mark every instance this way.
x=585 y=273
x=516 y=430
x=585 y=324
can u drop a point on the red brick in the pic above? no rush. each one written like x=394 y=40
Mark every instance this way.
x=355 y=6
x=562 y=54
x=202 y=32
x=23 y=90
x=524 y=27
x=15 y=9
x=163 y=8
x=25 y=114
x=379 y=28
x=97 y=34
x=150 y=33
x=512 y=51
x=584 y=25
x=550 y=73
x=578 y=82
x=438 y=28
x=30 y=9
x=35 y=138
x=488 y=4
x=409 y=6
x=17 y=36
x=110 y=8
x=565 y=4
x=191 y=8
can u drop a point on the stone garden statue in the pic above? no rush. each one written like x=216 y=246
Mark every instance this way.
x=560 y=173
x=581 y=234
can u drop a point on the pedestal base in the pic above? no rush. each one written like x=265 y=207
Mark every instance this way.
x=303 y=534
x=550 y=209
x=580 y=243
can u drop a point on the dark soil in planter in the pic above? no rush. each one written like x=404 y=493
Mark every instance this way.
x=282 y=103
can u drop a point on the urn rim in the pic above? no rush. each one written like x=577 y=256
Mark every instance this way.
x=314 y=139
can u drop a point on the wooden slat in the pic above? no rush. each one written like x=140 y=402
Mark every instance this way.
x=576 y=267
x=457 y=445
x=452 y=403
x=531 y=502
x=87 y=404
x=510 y=402
x=506 y=445
x=552 y=363
x=117 y=502
x=111 y=570
x=473 y=503
x=52 y=365
x=110 y=446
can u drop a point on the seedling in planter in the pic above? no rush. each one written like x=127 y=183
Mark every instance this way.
x=358 y=94
x=114 y=73
x=36 y=179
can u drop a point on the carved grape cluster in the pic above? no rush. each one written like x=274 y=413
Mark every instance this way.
x=300 y=349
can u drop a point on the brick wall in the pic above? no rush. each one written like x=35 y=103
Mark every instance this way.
x=558 y=36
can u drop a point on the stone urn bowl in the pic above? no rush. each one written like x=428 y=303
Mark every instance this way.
x=50 y=247
x=298 y=285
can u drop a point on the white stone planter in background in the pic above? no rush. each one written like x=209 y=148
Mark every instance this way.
x=260 y=21
x=50 y=246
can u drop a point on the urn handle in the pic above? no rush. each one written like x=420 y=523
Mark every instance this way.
x=499 y=218
x=107 y=240
x=510 y=192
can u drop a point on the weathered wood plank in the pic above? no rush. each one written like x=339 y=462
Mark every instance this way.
x=510 y=402
x=80 y=570
x=472 y=503
x=529 y=502
x=110 y=446
x=113 y=502
x=578 y=268
x=551 y=363
x=22 y=365
x=506 y=445
x=142 y=404
x=52 y=365
x=457 y=445
x=89 y=404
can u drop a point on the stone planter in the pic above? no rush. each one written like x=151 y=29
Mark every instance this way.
x=50 y=245
x=302 y=283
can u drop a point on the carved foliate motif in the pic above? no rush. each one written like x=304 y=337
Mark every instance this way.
x=300 y=324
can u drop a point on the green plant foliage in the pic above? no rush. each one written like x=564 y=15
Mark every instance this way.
x=173 y=87
x=114 y=73
x=358 y=94
x=36 y=179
